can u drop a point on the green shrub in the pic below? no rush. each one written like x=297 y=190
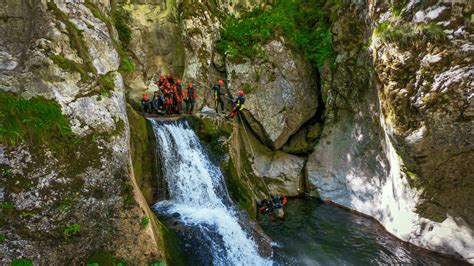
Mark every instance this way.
x=35 y=120
x=2 y=238
x=22 y=262
x=407 y=33
x=303 y=23
x=71 y=230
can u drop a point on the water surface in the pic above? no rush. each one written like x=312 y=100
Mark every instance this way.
x=320 y=234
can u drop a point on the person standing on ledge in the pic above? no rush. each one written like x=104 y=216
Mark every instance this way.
x=190 y=98
x=217 y=89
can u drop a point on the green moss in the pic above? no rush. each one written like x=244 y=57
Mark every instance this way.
x=143 y=154
x=145 y=221
x=303 y=23
x=2 y=238
x=35 y=120
x=102 y=257
x=106 y=83
x=121 y=19
x=69 y=65
x=75 y=37
x=170 y=243
x=238 y=189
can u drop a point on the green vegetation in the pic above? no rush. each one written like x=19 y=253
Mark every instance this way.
x=158 y=264
x=69 y=65
x=120 y=19
x=2 y=238
x=71 y=230
x=305 y=24
x=145 y=221
x=35 y=120
x=397 y=7
x=106 y=83
x=22 y=262
x=102 y=257
x=6 y=205
x=404 y=35
x=75 y=37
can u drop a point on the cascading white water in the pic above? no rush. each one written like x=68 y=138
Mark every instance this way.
x=198 y=194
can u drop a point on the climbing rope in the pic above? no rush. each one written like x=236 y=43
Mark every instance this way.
x=253 y=153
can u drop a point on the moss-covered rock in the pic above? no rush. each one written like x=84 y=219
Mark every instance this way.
x=142 y=144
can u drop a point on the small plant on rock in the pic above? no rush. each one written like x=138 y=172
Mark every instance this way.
x=145 y=221
x=71 y=230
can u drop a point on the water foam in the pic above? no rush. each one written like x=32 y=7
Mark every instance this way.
x=198 y=194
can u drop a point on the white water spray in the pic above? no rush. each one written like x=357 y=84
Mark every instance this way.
x=198 y=194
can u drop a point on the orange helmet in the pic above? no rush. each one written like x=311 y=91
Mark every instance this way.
x=178 y=81
x=145 y=96
x=161 y=77
x=241 y=92
x=168 y=75
x=220 y=82
x=167 y=84
x=190 y=84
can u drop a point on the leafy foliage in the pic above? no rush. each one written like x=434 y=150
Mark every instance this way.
x=145 y=221
x=71 y=229
x=405 y=34
x=397 y=7
x=36 y=120
x=304 y=23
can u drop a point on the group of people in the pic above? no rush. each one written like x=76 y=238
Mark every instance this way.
x=267 y=206
x=170 y=96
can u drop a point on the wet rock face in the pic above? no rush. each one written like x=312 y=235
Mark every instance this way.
x=426 y=90
x=82 y=182
x=281 y=92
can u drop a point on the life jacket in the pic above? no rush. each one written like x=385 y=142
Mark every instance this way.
x=179 y=92
x=284 y=201
x=217 y=91
x=240 y=102
x=170 y=80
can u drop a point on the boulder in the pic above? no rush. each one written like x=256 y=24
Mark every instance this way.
x=281 y=92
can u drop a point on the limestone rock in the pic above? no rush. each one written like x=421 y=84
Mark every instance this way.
x=281 y=92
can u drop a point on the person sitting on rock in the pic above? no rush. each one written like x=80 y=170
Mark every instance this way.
x=218 y=93
x=238 y=105
x=190 y=98
x=146 y=103
x=157 y=104
x=169 y=79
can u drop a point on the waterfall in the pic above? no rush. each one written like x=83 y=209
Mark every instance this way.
x=199 y=195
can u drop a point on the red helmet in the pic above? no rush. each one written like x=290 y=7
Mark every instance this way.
x=178 y=81
x=190 y=84
x=220 y=82
x=168 y=75
x=145 y=96
x=241 y=92
x=167 y=84
x=161 y=77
